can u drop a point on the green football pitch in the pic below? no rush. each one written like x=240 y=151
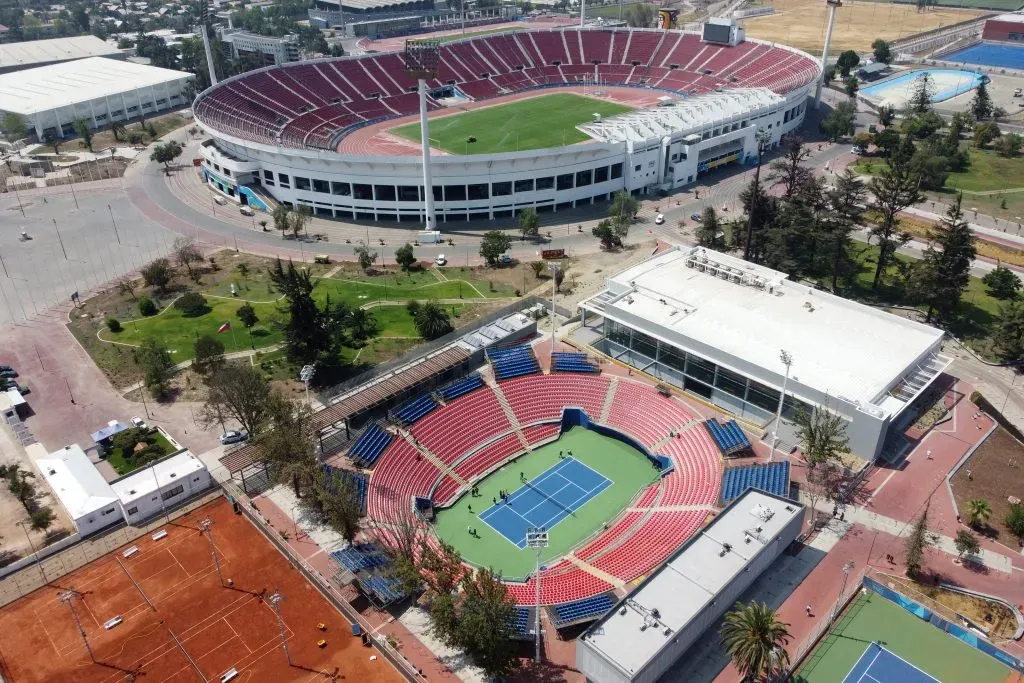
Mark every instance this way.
x=546 y=121
x=627 y=468
x=873 y=618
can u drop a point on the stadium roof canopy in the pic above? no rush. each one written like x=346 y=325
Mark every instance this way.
x=36 y=52
x=666 y=606
x=691 y=115
x=61 y=85
x=703 y=299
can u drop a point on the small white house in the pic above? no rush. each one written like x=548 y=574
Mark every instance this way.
x=81 y=489
x=146 y=492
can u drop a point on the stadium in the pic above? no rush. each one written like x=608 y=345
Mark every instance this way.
x=550 y=119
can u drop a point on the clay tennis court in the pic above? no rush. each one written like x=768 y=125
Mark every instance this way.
x=218 y=628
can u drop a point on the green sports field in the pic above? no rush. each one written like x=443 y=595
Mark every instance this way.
x=545 y=121
x=628 y=469
x=873 y=618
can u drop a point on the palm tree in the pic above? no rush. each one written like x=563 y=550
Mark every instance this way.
x=361 y=324
x=978 y=512
x=432 y=321
x=755 y=640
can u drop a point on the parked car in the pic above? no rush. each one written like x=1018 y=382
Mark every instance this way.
x=5 y=367
x=659 y=219
x=505 y=260
x=9 y=373
x=12 y=384
x=440 y=260
x=139 y=423
x=233 y=437
x=246 y=211
x=696 y=217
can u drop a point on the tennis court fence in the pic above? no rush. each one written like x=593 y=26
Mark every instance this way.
x=853 y=585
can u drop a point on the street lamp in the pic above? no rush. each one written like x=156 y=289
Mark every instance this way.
x=761 y=136
x=35 y=553
x=537 y=538
x=847 y=568
x=787 y=360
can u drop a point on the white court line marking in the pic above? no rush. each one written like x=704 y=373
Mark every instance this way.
x=602 y=486
x=236 y=635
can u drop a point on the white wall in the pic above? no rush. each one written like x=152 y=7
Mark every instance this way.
x=148 y=505
x=100 y=519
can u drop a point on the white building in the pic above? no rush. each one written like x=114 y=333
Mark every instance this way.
x=98 y=90
x=271 y=49
x=81 y=489
x=147 y=492
x=648 y=631
x=716 y=326
x=35 y=53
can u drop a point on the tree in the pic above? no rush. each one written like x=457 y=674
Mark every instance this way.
x=921 y=98
x=41 y=519
x=606 y=233
x=338 y=500
x=916 y=542
x=822 y=435
x=840 y=121
x=280 y=216
x=128 y=285
x=209 y=355
x=529 y=222
x=84 y=132
x=886 y=115
x=622 y=210
x=845 y=200
x=978 y=512
x=51 y=139
x=755 y=640
x=367 y=257
x=432 y=321
x=790 y=171
x=404 y=257
x=312 y=333
x=761 y=211
x=881 y=51
x=191 y=304
x=117 y=130
x=830 y=74
x=894 y=189
x=1008 y=335
x=708 y=229
x=850 y=86
x=888 y=141
x=640 y=15
x=847 y=60
x=942 y=274
x=486 y=612
x=493 y=244
x=166 y=153
x=361 y=325
x=1015 y=520
x=14 y=127
x=1008 y=144
x=156 y=363
x=981 y=103
x=299 y=219
x=966 y=543
x=1002 y=283
x=559 y=274
x=157 y=274
x=186 y=253
x=538 y=268
x=985 y=133
x=238 y=392
x=247 y=314
x=288 y=446
x=863 y=140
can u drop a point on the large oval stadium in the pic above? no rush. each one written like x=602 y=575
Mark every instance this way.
x=550 y=119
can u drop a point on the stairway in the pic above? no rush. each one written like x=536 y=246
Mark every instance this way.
x=606 y=409
x=512 y=419
x=445 y=468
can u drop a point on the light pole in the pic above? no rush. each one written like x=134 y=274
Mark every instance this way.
x=204 y=528
x=275 y=600
x=847 y=568
x=761 y=136
x=60 y=240
x=35 y=554
x=555 y=267
x=1013 y=379
x=787 y=360
x=537 y=538
x=66 y=598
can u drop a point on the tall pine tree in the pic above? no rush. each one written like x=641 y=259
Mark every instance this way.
x=981 y=105
x=843 y=217
x=894 y=189
x=941 y=276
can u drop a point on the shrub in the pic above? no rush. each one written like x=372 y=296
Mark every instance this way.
x=191 y=305
x=146 y=306
x=1015 y=520
x=114 y=325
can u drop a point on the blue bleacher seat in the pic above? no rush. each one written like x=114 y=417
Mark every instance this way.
x=580 y=610
x=370 y=445
x=461 y=387
x=361 y=481
x=771 y=477
x=417 y=408
x=521 y=621
x=729 y=438
x=513 y=361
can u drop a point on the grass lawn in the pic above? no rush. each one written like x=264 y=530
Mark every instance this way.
x=120 y=463
x=422 y=285
x=873 y=618
x=625 y=466
x=545 y=121
x=988 y=171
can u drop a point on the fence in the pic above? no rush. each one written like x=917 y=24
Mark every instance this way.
x=852 y=586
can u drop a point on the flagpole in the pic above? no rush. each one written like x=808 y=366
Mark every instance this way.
x=233 y=342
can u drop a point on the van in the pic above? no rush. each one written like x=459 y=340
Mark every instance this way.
x=246 y=211
x=321 y=258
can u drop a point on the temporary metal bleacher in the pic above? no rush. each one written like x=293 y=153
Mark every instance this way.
x=573 y=362
x=771 y=477
x=370 y=445
x=360 y=557
x=513 y=361
x=368 y=562
x=729 y=438
x=587 y=609
x=417 y=408
x=360 y=482
x=461 y=387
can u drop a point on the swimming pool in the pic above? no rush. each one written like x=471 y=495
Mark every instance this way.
x=946 y=83
x=989 y=54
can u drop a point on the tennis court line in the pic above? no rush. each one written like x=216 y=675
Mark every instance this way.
x=603 y=485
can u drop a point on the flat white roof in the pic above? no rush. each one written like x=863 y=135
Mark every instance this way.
x=1018 y=18
x=55 y=50
x=142 y=483
x=60 y=85
x=839 y=347
x=684 y=585
x=76 y=481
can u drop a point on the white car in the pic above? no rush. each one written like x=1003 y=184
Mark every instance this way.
x=659 y=219
x=233 y=437
x=440 y=260
x=139 y=423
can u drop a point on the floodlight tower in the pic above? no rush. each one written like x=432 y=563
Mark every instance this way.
x=421 y=62
x=275 y=600
x=832 y=6
x=204 y=24
x=205 y=530
x=537 y=537
x=66 y=598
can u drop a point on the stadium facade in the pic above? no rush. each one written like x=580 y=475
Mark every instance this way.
x=279 y=128
x=716 y=326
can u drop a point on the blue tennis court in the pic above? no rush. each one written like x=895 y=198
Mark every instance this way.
x=545 y=500
x=989 y=54
x=878 y=665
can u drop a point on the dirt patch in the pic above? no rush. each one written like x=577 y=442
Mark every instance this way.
x=997 y=618
x=994 y=473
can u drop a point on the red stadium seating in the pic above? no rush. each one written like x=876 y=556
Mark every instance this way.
x=562 y=583
x=489 y=456
x=275 y=105
x=397 y=476
x=542 y=397
x=455 y=429
x=645 y=414
x=650 y=545
x=537 y=433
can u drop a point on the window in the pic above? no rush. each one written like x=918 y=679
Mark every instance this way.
x=216 y=167
x=408 y=193
x=478 y=191
x=438 y=193
x=564 y=181
x=731 y=382
x=384 y=193
x=107 y=511
x=501 y=189
x=601 y=174
x=362 y=191
x=133 y=510
x=227 y=172
x=545 y=183
x=644 y=344
x=637 y=168
x=524 y=185
x=268 y=176
x=616 y=170
x=584 y=178
x=171 y=493
x=321 y=186
x=301 y=183
x=283 y=180
x=700 y=368
x=341 y=189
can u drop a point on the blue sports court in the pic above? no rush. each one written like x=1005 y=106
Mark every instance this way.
x=989 y=54
x=545 y=500
x=878 y=665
